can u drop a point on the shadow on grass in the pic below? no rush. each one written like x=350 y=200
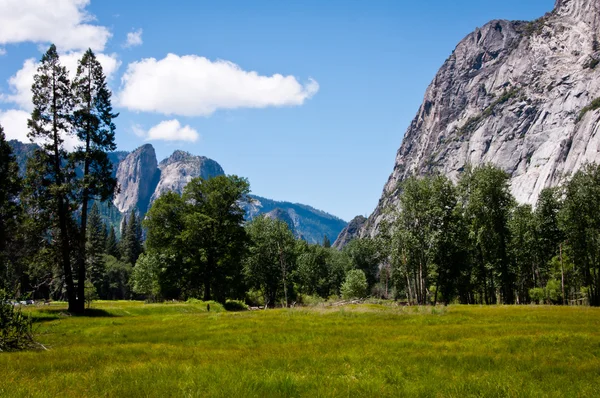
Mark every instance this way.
x=52 y=314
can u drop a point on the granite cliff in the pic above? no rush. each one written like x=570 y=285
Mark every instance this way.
x=524 y=96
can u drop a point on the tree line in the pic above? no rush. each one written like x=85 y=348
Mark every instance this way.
x=472 y=243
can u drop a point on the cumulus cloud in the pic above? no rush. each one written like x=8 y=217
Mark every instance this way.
x=134 y=39
x=14 y=123
x=65 y=23
x=168 y=130
x=20 y=83
x=196 y=86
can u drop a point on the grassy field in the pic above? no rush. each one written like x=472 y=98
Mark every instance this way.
x=131 y=349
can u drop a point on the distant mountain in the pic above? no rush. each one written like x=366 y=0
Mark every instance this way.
x=142 y=180
x=349 y=232
x=308 y=223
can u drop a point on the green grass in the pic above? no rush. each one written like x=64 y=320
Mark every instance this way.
x=130 y=349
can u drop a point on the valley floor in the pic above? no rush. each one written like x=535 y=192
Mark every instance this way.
x=131 y=349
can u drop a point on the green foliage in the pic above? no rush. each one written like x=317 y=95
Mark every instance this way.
x=116 y=279
x=364 y=255
x=355 y=285
x=95 y=247
x=10 y=214
x=594 y=105
x=472 y=123
x=255 y=298
x=425 y=240
x=486 y=204
x=271 y=257
x=131 y=240
x=580 y=221
x=214 y=306
x=201 y=234
x=235 y=305
x=145 y=275
x=537 y=295
x=112 y=245
x=91 y=293
x=15 y=327
x=320 y=271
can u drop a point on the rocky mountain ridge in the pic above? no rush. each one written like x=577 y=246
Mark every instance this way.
x=523 y=96
x=142 y=180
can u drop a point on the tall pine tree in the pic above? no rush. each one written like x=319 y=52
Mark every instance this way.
x=49 y=180
x=131 y=240
x=112 y=245
x=96 y=242
x=10 y=187
x=93 y=121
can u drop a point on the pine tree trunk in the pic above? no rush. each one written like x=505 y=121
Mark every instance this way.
x=62 y=211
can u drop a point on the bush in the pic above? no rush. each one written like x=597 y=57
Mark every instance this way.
x=553 y=291
x=537 y=295
x=214 y=306
x=235 y=305
x=311 y=301
x=15 y=328
x=256 y=298
x=355 y=285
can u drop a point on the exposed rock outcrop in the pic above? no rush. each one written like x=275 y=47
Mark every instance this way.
x=513 y=94
x=137 y=176
x=350 y=232
x=179 y=169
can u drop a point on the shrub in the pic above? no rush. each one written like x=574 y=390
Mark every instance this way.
x=355 y=285
x=553 y=291
x=311 y=301
x=214 y=306
x=255 y=298
x=235 y=305
x=15 y=328
x=595 y=104
x=537 y=295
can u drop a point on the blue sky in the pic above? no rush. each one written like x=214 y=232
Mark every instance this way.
x=324 y=133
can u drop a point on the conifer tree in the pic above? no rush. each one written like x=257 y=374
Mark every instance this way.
x=132 y=240
x=96 y=242
x=112 y=246
x=10 y=187
x=49 y=181
x=93 y=121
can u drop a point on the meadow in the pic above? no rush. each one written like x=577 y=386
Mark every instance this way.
x=132 y=349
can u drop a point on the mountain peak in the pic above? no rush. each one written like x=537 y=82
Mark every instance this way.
x=179 y=156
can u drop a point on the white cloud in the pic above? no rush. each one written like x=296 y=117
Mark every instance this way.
x=20 y=83
x=168 y=130
x=2 y=51
x=195 y=86
x=14 y=123
x=134 y=39
x=65 y=23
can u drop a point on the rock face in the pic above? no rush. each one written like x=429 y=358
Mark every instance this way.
x=282 y=215
x=513 y=94
x=307 y=223
x=179 y=169
x=348 y=233
x=137 y=175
